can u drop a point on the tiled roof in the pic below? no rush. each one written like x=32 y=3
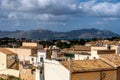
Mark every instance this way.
x=104 y=42
x=78 y=52
x=113 y=58
x=86 y=65
x=81 y=48
x=6 y=51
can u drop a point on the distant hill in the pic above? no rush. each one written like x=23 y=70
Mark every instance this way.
x=47 y=34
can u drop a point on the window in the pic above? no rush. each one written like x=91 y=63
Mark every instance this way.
x=32 y=59
x=41 y=59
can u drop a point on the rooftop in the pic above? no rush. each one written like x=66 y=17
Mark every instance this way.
x=78 y=52
x=94 y=43
x=81 y=48
x=113 y=58
x=6 y=51
x=87 y=65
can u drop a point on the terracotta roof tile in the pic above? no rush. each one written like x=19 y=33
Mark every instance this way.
x=86 y=65
x=115 y=59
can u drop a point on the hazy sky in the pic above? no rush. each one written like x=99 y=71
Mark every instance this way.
x=59 y=15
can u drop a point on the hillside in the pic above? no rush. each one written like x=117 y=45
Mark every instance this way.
x=47 y=34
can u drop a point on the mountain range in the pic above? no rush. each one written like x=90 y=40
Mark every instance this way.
x=47 y=34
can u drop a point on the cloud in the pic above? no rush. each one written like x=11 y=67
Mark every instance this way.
x=56 y=7
x=56 y=12
x=106 y=9
x=37 y=9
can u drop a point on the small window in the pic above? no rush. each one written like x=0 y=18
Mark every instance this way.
x=32 y=59
x=41 y=59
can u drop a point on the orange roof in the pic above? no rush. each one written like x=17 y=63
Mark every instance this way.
x=86 y=65
x=6 y=51
x=113 y=58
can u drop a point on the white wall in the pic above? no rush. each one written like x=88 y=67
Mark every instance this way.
x=55 y=71
x=81 y=57
x=11 y=72
x=94 y=54
x=41 y=54
x=3 y=62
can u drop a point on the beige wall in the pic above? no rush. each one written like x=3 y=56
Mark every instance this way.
x=107 y=75
x=3 y=64
x=29 y=44
x=22 y=53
